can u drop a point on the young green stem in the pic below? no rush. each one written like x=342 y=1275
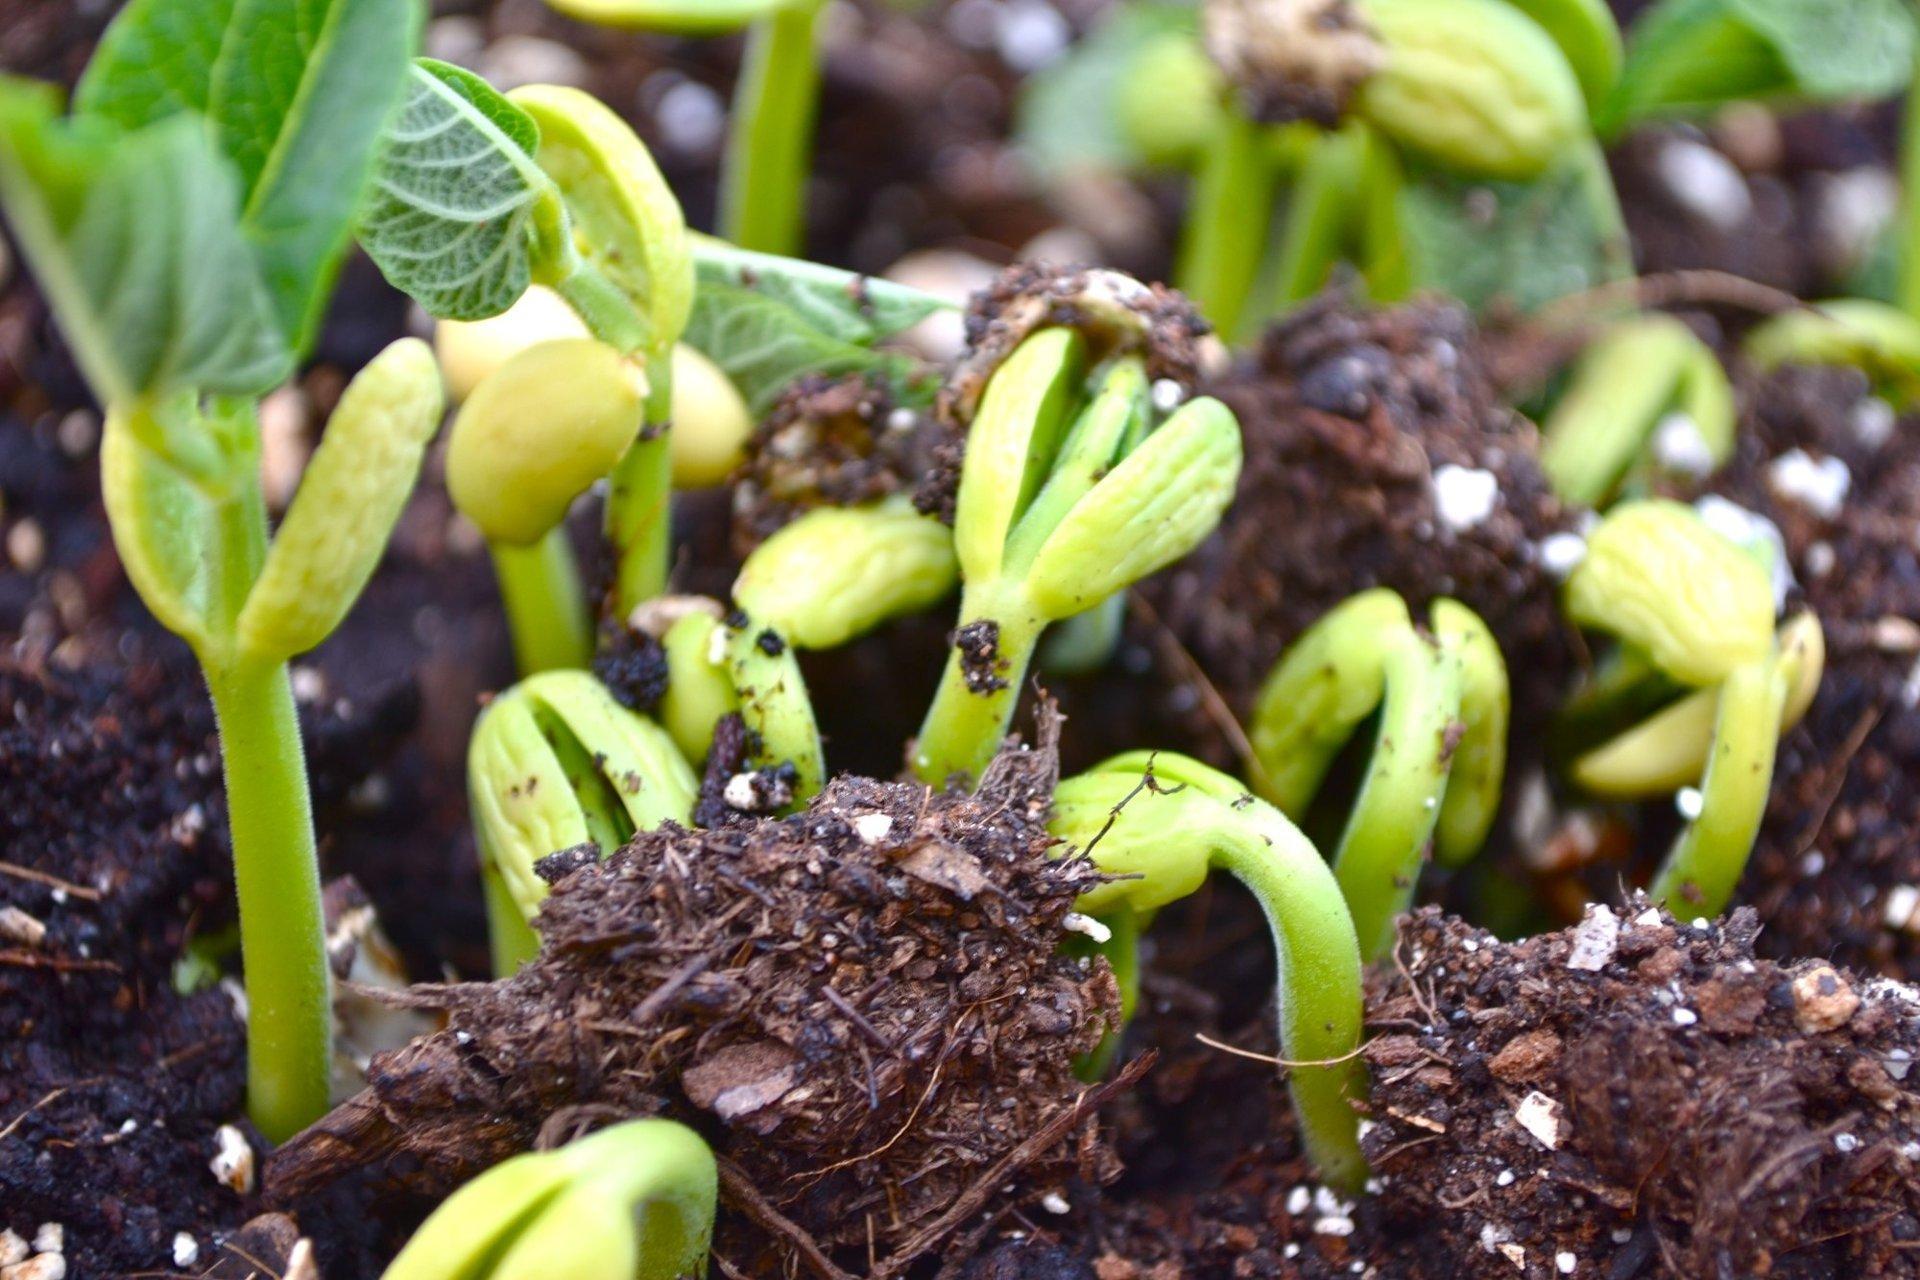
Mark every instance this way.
x=276 y=871
x=1909 y=295
x=775 y=704
x=1226 y=228
x=979 y=689
x=545 y=605
x=1704 y=868
x=763 y=186
x=639 y=502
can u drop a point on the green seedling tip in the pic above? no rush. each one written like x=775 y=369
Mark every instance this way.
x=1659 y=577
x=1439 y=751
x=1162 y=823
x=1641 y=378
x=1670 y=748
x=699 y=686
x=1062 y=505
x=1881 y=341
x=632 y=1202
x=837 y=572
x=554 y=763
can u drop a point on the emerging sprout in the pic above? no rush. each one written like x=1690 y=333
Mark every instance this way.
x=1880 y=341
x=1439 y=752
x=1688 y=605
x=556 y=763
x=711 y=423
x=1163 y=841
x=1478 y=88
x=530 y=439
x=632 y=1202
x=1646 y=395
x=1058 y=509
x=818 y=582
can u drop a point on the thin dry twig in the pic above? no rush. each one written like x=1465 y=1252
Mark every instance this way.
x=747 y=1199
x=51 y=881
x=1250 y=1055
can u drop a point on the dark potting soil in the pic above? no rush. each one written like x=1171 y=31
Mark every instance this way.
x=1645 y=1096
x=113 y=857
x=863 y=1006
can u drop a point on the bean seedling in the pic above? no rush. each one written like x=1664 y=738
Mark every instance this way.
x=1439 y=751
x=1880 y=341
x=1646 y=396
x=1690 y=606
x=187 y=232
x=632 y=1202
x=1161 y=842
x=556 y=763
x=1058 y=509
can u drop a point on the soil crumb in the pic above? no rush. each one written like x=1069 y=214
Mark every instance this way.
x=862 y=1006
x=1645 y=1097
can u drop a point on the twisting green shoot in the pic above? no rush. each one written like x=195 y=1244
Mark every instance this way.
x=632 y=1202
x=763 y=179
x=1647 y=396
x=1690 y=607
x=1059 y=509
x=555 y=763
x=1439 y=751
x=1162 y=823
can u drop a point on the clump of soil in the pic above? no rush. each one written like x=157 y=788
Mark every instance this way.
x=1836 y=871
x=828 y=442
x=862 y=1005
x=1644 y=1097
x=1372 y=437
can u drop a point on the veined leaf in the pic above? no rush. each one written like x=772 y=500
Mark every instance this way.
x=763 y=342
x=457 y=197
x=136 y=239
x=296 y=93
x=1837 y=49
x=844 y=305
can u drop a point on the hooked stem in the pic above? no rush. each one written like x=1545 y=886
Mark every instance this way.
x=763 y=185
x=545 y=605
x=774 y=703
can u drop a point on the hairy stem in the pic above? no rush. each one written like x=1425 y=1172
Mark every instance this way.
x=277 y=874
x=763 y=185
x=545 y=605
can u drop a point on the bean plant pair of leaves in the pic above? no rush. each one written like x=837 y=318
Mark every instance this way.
x=1702 y=680
x=763 y=181
x=186 y=222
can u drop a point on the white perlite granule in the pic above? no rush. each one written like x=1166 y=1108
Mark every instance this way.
x=1464 y=496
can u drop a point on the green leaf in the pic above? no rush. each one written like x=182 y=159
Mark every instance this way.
x=1078 y=113
x=457 y=197
x=763 y=343
x=842 y=305
x=1523 y=244
x=136 y=240
x=1837 y=49
x=295 y=92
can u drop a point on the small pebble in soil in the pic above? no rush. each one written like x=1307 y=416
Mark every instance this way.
x=12 y=1248
x=186 y=1250
x=1822 y=1000
x=872 y=828
x=44 y=1266
x=1818 y=484
x=26 y=546
x=1679 y=446
x=690 y=115
x=1872 y=420
x=232 y=1163
x=50 y=1238
x=1087 y=926
x=1596 y=940
x=21 y=929
x=1561 y=553
x=1539 y=1115
x=1705 y=183
x=1903 y=901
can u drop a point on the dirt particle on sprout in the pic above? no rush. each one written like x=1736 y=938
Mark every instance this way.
x=980 y=660
x=632 y=664
x=1822 y=1000
x=770 y=643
